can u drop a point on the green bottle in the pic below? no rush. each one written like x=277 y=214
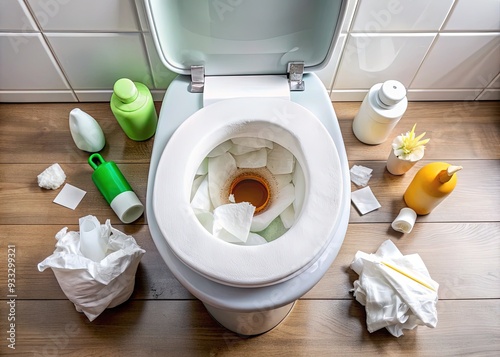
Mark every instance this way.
x=115 y=188
x=133 y=107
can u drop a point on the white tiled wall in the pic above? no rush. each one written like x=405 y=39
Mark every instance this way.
x=74 y=50
x=439 y=49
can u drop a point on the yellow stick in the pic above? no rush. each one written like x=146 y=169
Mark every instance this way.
x=408 y=275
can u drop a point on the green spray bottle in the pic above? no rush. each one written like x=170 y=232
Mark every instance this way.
x=133 y=108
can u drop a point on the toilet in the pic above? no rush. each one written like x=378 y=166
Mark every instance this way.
x=242 y=80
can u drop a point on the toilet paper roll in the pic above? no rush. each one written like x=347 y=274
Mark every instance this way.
x=405 y=220
x=92 y=243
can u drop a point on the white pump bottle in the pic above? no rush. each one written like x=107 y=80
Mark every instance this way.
x=380 y=111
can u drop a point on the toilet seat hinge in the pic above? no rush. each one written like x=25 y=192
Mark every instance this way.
x=295 y=72
x=197 y=79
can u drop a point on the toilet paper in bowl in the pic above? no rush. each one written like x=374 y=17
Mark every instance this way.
x=219 y=169
x=232 y=221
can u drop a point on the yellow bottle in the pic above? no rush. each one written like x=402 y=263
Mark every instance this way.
x=430 y=186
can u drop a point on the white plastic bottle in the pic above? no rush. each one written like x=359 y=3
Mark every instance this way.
x=380 y=111
x=86 y=132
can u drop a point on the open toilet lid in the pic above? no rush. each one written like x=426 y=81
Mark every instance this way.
x=239 y=37
x=284 y=122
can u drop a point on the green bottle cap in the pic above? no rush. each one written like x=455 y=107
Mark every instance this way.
x=125 y=90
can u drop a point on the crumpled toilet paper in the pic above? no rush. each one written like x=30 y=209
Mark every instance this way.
x=232 y=221
x=52 y=177
x=95 y=286
x=396 y=290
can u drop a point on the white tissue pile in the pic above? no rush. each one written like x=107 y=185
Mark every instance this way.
x=95 y=286
x=52 y=177
x=360 y=175
x=235 y=222
x=391 y=298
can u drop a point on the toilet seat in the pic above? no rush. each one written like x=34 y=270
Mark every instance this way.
x=283 y=122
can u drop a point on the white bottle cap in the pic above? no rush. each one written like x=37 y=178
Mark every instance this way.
x=391 y=93
x=127 y=206
x=405 y=220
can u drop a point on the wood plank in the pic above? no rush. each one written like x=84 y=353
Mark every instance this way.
x=458 y=130
x=463 y=130
x=34 y=243
x=464 y=258
x=39 y=133
x=476 y=197
x=184 y=328
x=24 y=202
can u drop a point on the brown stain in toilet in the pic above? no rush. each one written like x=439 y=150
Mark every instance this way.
x=251 y=188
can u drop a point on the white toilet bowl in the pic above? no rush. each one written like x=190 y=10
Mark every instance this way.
x=264 y=301
x=248 y=289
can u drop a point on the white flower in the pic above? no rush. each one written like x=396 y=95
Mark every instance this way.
x=408 y=147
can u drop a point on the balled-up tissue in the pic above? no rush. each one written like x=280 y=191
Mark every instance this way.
x=52 y=177
x=396 y=290
x=94 y=286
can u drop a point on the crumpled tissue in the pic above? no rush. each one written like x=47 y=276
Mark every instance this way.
x=396 y=290
x=94 y=286
x=232 y=221
x=52 y=177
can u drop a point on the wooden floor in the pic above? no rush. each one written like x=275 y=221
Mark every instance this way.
x=459 y=243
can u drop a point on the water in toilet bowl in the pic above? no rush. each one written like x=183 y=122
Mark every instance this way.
x=248 y=191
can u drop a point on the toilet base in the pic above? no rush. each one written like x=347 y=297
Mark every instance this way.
x=250 y=323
